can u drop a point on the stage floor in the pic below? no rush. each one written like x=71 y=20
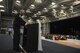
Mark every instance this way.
x=48 y=46
x=64 y=42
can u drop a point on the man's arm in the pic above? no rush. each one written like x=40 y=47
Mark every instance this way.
x=22 y=21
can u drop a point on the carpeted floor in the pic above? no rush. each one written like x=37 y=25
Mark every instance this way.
x=48 y=47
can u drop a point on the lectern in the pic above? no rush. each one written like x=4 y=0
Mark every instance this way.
x=30 y=39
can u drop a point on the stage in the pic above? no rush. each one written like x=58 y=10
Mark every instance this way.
x=6 y=45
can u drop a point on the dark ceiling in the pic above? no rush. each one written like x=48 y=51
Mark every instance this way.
x=10 y=5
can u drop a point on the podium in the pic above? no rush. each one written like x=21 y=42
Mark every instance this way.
x=30 y=39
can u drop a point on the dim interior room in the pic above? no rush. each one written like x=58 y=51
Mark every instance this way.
x=51 y=26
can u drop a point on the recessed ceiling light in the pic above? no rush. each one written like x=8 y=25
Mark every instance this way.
x=32 y=6
x=76 y=2
x=18 y=4
x=38 y=1
x=2 y=10
x=1 y=0
x=63 y=7
x=53 y=3
x=53 y=6
x=1 y=6
x=39 y=13
x=18 y=1
x=45 y=10
x=28 y=11
x=35 y=15
x=15 y=12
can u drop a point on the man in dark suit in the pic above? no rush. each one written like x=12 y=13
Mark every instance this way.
x=18 y=22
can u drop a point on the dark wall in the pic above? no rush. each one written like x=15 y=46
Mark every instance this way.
x=68 y=26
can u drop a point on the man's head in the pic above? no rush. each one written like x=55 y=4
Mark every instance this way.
x=22 y=11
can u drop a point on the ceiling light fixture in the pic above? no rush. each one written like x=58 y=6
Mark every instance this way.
x=39 y=13
x=2 y=10
x=18 y=1
x=32 y=6
x=1 y=6
x=14 y=11
x=45 y=10
x=1 y=0
x=38 y=1
x=63 y=7
x=76 y=2
x=53 y=3
x=18 y=4
x=35 y=15
x=28 y=11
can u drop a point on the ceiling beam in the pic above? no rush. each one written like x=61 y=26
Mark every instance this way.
x=43 y=5
x=27 y=3
x=8 y=6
